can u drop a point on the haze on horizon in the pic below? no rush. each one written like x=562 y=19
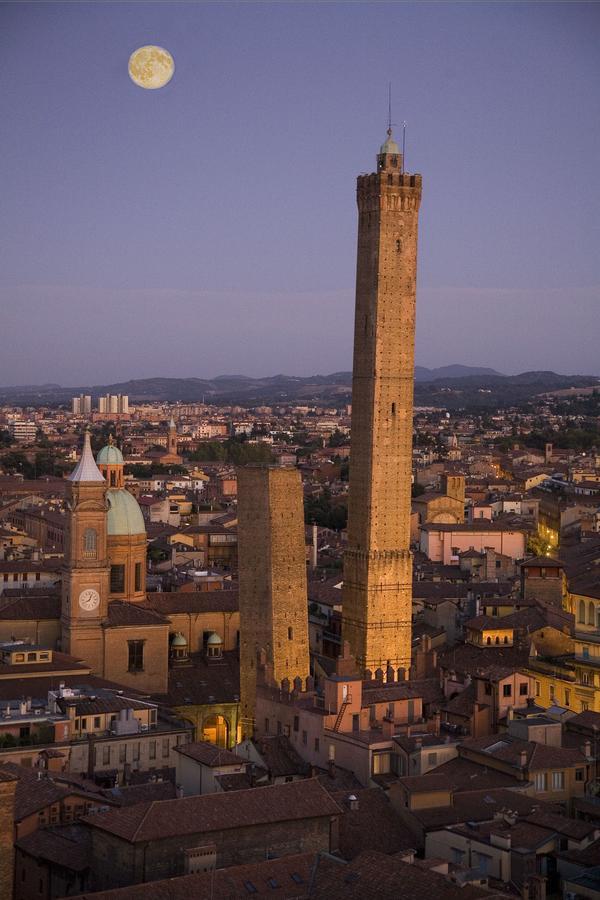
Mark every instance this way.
x=210 y=227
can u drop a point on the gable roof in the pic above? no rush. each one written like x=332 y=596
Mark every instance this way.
x=217 y=812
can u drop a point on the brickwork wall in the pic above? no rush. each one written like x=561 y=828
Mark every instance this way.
x=8 y=786
x=116 y=863
x=154 y=677
x=272 y=579
x=378 y=563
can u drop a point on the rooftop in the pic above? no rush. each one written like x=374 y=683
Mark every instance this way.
x=207 y=813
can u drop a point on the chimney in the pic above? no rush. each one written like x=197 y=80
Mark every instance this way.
x=587 y=749
x=353 y=802
x=331 y=768
x=523 y=759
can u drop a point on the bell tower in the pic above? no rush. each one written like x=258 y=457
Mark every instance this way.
x=377 y=593
x=172 y=438
x=85 y=574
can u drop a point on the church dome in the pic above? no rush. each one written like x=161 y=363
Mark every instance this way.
x=124 y=514
x=110 y=456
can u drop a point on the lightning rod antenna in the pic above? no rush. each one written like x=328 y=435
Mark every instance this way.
x=389 y=107
x=404 y=146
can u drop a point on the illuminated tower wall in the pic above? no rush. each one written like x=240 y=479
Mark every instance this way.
x=377 y=598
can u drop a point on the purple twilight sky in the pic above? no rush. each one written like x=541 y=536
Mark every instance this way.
x=210 y=227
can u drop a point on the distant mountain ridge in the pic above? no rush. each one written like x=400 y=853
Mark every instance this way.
x=447 y=386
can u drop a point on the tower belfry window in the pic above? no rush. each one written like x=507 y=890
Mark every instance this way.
x=90 y=543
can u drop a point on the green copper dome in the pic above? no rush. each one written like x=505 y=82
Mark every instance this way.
x=110 y=456
x=214 y=639
x=124 y=514
x=390 y=146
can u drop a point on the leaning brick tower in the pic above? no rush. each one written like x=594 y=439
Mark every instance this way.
x=377 y=598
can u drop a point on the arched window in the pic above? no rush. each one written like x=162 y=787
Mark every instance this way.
x=497 y=640
x=581 y=611
x=591 y=613
x=90 y=543
x=506 y=640
x=489 y=640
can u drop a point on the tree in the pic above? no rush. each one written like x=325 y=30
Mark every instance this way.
x=337 y=439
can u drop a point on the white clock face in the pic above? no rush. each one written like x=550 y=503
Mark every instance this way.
x=89 y=599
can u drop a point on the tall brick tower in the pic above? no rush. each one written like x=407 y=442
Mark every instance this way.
x=272 y=579
x=86 y=569
x=377 y=602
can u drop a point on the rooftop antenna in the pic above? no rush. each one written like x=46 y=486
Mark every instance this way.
x=403 y=146
x=389 y=108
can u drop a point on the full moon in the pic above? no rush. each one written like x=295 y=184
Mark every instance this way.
x=151 y=67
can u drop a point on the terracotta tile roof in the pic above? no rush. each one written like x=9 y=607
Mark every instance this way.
x=523 y=835
x=93 y=706
x=122 y=612
x=375 y=876
x=238 y=781
x=478 y=806
x=67 y=846
x=428 y=689
x=204 y=682
x=37 y=687
x=373 y=825
x=325 y=592
x=584 y=721
x=493 y=663
x=576 y=829
x=445 y=590
x=31 y=607
x=142 y=793
x=465 y=775
x=33 y=794
x=30 y=565
x=279 y=879
x=217 y=812
x=60 y=662
x=589 y=856
x=538 y=756
x=210 y=755
x=463 y=703
x=280 y=757
x=193 y=601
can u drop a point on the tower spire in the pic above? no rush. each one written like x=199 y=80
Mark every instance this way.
x=86 y=469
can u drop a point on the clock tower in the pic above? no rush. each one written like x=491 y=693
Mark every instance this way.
x=86 y=570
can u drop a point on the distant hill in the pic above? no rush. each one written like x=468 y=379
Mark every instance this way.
x=423 y=374
x=451 y=387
